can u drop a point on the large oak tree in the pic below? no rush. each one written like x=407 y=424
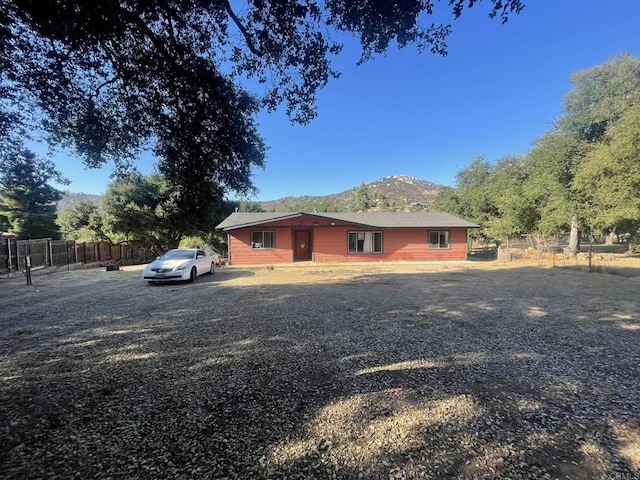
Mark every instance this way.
x=582 y=175
x=109 y=78
x=148 y=210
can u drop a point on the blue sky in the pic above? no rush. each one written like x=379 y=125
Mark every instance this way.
x=500 y=87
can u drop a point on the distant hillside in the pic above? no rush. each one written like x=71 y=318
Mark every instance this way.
x=69 y=199
x=395 y=193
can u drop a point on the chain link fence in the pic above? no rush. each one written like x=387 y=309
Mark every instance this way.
x=548 y=251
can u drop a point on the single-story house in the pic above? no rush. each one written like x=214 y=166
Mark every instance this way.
x=265 y=238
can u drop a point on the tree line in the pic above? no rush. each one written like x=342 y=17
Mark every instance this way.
x=582 y=177
x=136 y=209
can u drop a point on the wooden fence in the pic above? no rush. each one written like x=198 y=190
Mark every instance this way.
x=45 y=252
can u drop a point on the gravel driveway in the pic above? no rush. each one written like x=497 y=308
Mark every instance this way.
x=387 y=371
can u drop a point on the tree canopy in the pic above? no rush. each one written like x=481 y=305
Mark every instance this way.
x=609 y=177
x=83 y=222
x=27 y=201
x=109 y=78
x=582 y=174
x=471 y=197
x=148 y=209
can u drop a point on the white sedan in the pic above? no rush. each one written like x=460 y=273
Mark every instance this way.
x=179 y=264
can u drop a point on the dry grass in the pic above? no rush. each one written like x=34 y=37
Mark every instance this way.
x=470 y=370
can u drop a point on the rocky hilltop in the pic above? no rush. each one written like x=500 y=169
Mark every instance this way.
x=395 y=193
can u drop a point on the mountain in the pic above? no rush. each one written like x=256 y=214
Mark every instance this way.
x=69 y=199
x=395 y=193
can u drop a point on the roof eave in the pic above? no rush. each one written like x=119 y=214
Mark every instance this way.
x=350 y=222
x=258 y=222
x=328 y=216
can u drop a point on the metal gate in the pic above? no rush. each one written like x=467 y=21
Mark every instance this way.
x=8 y=253
x=39 y=250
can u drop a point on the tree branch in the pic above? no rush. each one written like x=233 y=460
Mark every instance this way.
x=105 y=83
x=256 y=51
x=150 y=34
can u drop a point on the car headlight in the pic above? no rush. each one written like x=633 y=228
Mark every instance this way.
x=182 y=266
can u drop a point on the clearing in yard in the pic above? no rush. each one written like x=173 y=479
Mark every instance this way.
x=322 y=371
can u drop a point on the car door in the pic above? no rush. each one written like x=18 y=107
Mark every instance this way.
x=202 y=263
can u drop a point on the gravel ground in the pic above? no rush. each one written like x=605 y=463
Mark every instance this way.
x=386 y=371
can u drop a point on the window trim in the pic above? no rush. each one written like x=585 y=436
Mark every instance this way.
x=352 y=252
x=253 y=244
x=437 y=246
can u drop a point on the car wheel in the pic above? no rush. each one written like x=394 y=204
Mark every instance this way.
x=192 y=276
x=151 y=282
x=212 y=269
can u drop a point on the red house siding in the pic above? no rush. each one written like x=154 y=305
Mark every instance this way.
x=241 y=253
x=397 y=244
x=329 y=244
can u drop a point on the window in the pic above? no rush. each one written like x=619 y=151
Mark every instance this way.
x=439 y=239
x=365 y=242
x=263 y=239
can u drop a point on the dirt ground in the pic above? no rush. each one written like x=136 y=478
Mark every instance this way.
x=466 y=370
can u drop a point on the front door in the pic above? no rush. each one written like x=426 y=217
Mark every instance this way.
x=302 y=245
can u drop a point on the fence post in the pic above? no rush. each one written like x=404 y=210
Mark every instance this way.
x=10 y=254
x=27 y=263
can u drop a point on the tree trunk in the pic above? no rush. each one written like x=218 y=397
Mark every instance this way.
x=574 y=237
x=173 y=241
x=611 y=236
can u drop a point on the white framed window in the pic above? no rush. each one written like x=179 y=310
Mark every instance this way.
x=364 y=242
x=263 y=239
x=439 y=239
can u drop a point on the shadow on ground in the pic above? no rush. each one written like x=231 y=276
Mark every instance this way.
x=486 y=374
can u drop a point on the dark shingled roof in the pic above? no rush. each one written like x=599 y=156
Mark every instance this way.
x=369 y=219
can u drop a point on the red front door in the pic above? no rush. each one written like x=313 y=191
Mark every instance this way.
x=302 y=245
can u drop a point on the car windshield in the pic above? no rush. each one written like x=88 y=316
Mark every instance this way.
x=177 y=255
